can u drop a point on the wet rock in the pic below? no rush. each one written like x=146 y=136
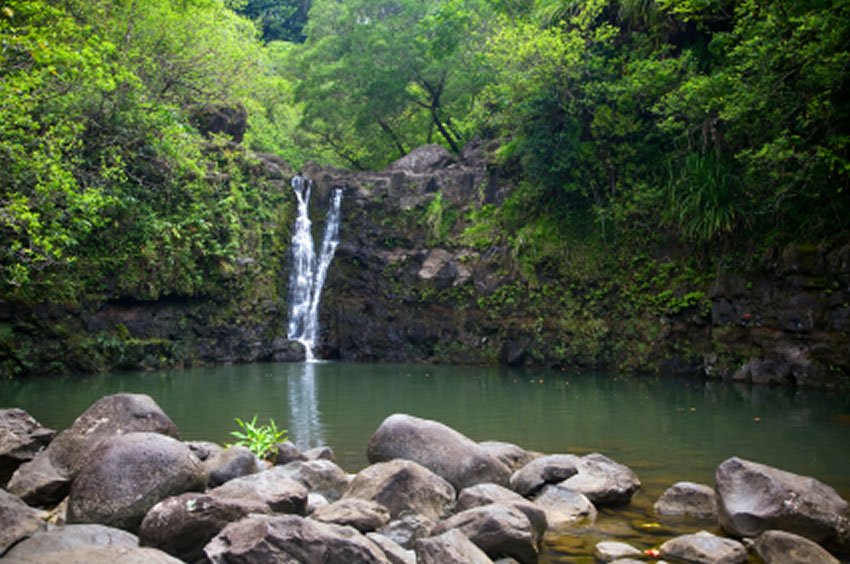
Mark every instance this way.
x=703 y=547
x=511 y=455
x=45 y=479
x=564 y=507
x=779 y=547
x=319 y=476
x=609 y=551
x=234 y=462
x=394 y=553
x=67 y=538
x=403 y=485
x=21 y=438
x=184 y=524
x=17 y=520
x=498 y=530
x=288 y=452
x=284 y=350
x=451 y=546
x=551 y=469
x=687 y=499
x=126 y=475
x=753 y=498
x=364 y=515
x=407 y=528
x=272 y=487
x=289 y=538
x=603 y=481
x=441 y=449
x=97 y=554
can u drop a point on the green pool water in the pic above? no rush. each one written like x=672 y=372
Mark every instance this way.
x=666 y=429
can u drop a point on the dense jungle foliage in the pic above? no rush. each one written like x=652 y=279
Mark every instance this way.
x=720 y=123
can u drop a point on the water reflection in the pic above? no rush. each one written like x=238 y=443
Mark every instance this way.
x=305 y=422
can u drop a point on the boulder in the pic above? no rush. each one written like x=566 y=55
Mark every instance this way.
x=403 y=485
x=603 y=481
x=184 y=524
x=498 y=530
x=609 y=551
x=551 y=469
x=288 y=452
x=511 y=455
x=409 y=527
x=272 y=487
x=318 y=476
x=21 y=438
x=125 y=475
x=451 y=546
x=687 y=499
x=753 y=498
x=779 y=547
x=426 y=158
x=45 y=480
x=97 y=554
x=320 y=453
x=233 y=462
x=290 y=538
x=67 y=538
x=703 y=547
x=484 y=494
x=564 y=507
x=394 y=553
x=17 y=520
x=315 y=501
x=441 y=449
x=362 y=514
x=204 y=450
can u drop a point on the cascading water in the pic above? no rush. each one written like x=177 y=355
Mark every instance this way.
x=308 y=270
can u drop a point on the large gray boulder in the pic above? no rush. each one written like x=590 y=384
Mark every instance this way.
x=233 y=462
x=46 y=479
x=564 y=507
x=511 y=455
x=21 y=438
x=449 y=454
x=125 y=475
x=403 y=486
x=753 y=498
x=17 y=520
x=603 y=481
x=362 y=514
x=272 y=487
x=184 y=524
x=687 y=499
x=703 y=547
x=97 y=554
x=69 y=537
x=290 y=538
x=499 y=530
x=451 y=546
x=550 y=469
x=320 y=476
x=779 y=547
x=485 y=494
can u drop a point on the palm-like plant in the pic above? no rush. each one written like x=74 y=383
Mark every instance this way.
x=259 y=439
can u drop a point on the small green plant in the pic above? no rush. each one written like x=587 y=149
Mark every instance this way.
x=259 y=439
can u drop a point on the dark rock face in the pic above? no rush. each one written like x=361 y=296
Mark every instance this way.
x=17 y=520
x=703 y=547
x=779 y=547
x=125 y=475
x=498 y=530
x=183 y=525
x=70 y=537
x=753 y=498
x=21 y=438
x=229 y=120
x=288 y=452
x=402 y=485
x=272 y=487
x=441 y=449
x=362 y=514
x=451 y=546
x=289 y=538
x=45 y=480
x=687 y=499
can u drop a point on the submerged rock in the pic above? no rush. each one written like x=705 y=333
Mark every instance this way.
x=441 y=449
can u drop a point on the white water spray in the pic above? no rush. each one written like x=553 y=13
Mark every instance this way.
x=308 y=270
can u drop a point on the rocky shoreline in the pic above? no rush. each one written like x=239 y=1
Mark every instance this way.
x=120 y=485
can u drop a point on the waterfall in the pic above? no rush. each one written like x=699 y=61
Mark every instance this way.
x=308 y=270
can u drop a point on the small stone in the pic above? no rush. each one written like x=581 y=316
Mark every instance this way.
x=703 y=547
x=687 y=499
x=609 y=551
